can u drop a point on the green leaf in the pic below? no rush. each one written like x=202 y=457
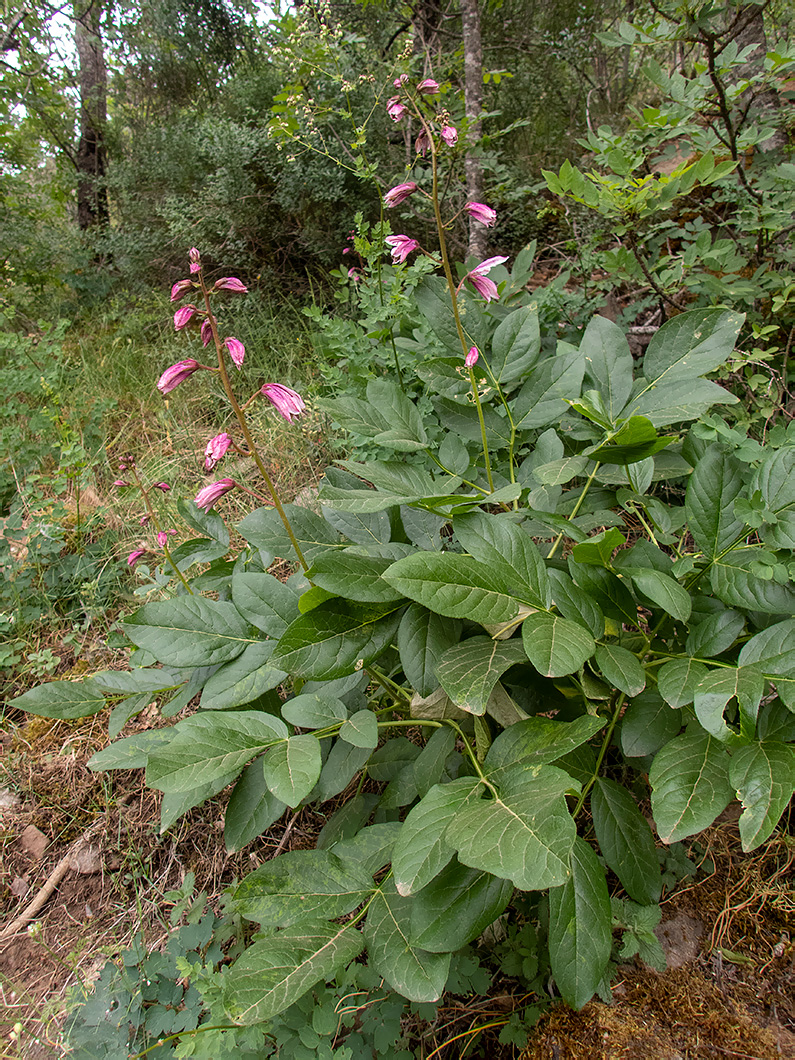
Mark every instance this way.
x=648 y=724
x=423 y=638
x=677 y=400
x=131 y=752
x=209 y=523
x=715 y=635
x=454 y=586
x=453 y=454
x=243 y=679
x=763 y=775
x=663 y=591
x=574 y=603
x=773 y=650
x=469 y=671
x=63 y=699
x=206 y=746
x=125 y=682
x=302 y=885
x=413 y=972
x=606 y=590
x=625 y=840
x=343 y=763
x=198 y=550
x=371 y=847
x=509 y=551
x=677 y=681
x=775 y=480
x=355 y=577
x=292 y=768
x=621 y=669
x=556 y=646
x=251 y=809
x=716 y=483
x=543 y=398
x=690 y=784
x=405 y=432
x=276 y=971
x=516 y=345
x=598 y=549
x=361 y=730
x=635 y=440
x=264 y=529
x=430 y=763
x=537 y=741
x=734 y=583
x=336 y=638
x=456 y=908
x=524 y=834
x=264 y=601
x=713 y=693
x=580 y=928
x=189 y=631
x=312 y=711
x=608 y=363
x=421 y=850
x=176 y=803
x=691 y=344
x=558 y=472
x=371 y=528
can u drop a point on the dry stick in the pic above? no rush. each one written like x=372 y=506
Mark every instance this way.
x=53 y=879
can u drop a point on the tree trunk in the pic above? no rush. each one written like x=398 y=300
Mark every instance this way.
x=92 y=197
x=473 y=104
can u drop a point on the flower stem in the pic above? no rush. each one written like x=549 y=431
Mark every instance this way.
x=576 y=508
x=156 y=524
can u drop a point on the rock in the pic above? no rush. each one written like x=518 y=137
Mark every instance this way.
x=9 y=800
x=679 y=938
x=19 y=886
x=34 y=842
x=86 y=858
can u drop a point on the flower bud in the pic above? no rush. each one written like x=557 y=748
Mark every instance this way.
x=480 y=212
x=210 y=495
x=237 y=351
x=230 y=283
x=216 y=450
x=133 y=557
x=183 y=316
x=395 y=109
x=428 y=87
x=287 y=402
x=180 y=288
x=176 y=374
x=471 y=358
x=450 y=135
x=195 y=260
x=206 y=332
x=395 y=196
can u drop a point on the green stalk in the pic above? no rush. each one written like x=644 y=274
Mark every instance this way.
x=156 y=523
x=577 y=507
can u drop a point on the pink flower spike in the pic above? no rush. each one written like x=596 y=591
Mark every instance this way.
x=164 y=486
x=286 y=401
x=120 y=482
x=162 y=537
x=450 y=135
x=182 y=317
x=422 y=144
x=208 y=496
x=402 y=246
x=230 y=283
x=485 y=287
x=395 y=196
x=428 y=87
x=395 y=109
x=180 y=288
x=237 y=351
x=216 y=450
x=480 y=212
x=471 y=358
x=176 y=374
x=195 y=260
x=206 y=332
x=133 y=557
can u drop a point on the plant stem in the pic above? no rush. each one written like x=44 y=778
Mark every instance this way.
x=156 y=523
x=576 y=508
x=602 y=752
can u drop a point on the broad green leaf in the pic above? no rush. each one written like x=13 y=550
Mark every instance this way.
x=625 y=840
x=430 y=763
x=423 y=638
x=556 y=646
x=734 y=583
x=63 y=699
x=209 y=523
x=126 y=682
x=691 y=344
x=515 y=345
x=509 y=551
x=343 y=763
x=608 y=363
x=677 y=681
x=413 y=972
x=336 y=638
x=455 y=586
x=347 y=821
x=421 y=850
x=392 y=757
x=775 y=722
x=433 y=301
x=252 y=808
x=206 y=746
x=355 y=414
x=313 y=711
x=663 y=591
x=264 y=601
x=453 y=454
x=773 y=650
x=621 y=668
x=302 y=885
x=264 y=529
x=775 y=480
x=716 y=634
x=580 y=927
x=292 y=768
x=243 y=679
x=524 y=834
x=469 y=671
x=598 y=549
x=537 y=741
x=716 y=483
x=648 y=724
x=355 y=577
x=189 y=631
x=456 y=908
x=361 y=730
x=131 y=752
x=423 y=529
x=463 y=420
x=635 y=440
x=198 y=550
x=717 y=688
x=543 y=398
x=275 y=972
x=607 y=591
x=404 y=432
x=678 y=400
x=689 y=784
x=362 y=528
x=558 y=472
x=763 y=775
x=574 y=603
x=175 y=804
x=371 y=848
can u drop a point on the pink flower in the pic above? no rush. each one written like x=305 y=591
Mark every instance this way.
x=428 y=87
x=395 y=109
x=346 y=250
x=237 y=351
x=216 y=449
x=180 y=288
x=182 y=317
x=354 y=274
x=230 y=283
x=210 y=495
x=133 y=557
x=120 y=482
x=176 y=374
x=144 y=519
x=402 y=246
x=399 y=82
x=162 y=537
x=164 y=486
x=471 y=358
x=286 y=401
x=395 y=196
x=422 y=143
x=477 y=277
x=450 y=135
x=195 y=260
x=206 y=332
x=480 y=212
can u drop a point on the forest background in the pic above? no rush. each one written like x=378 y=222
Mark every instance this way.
x=637 y=156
